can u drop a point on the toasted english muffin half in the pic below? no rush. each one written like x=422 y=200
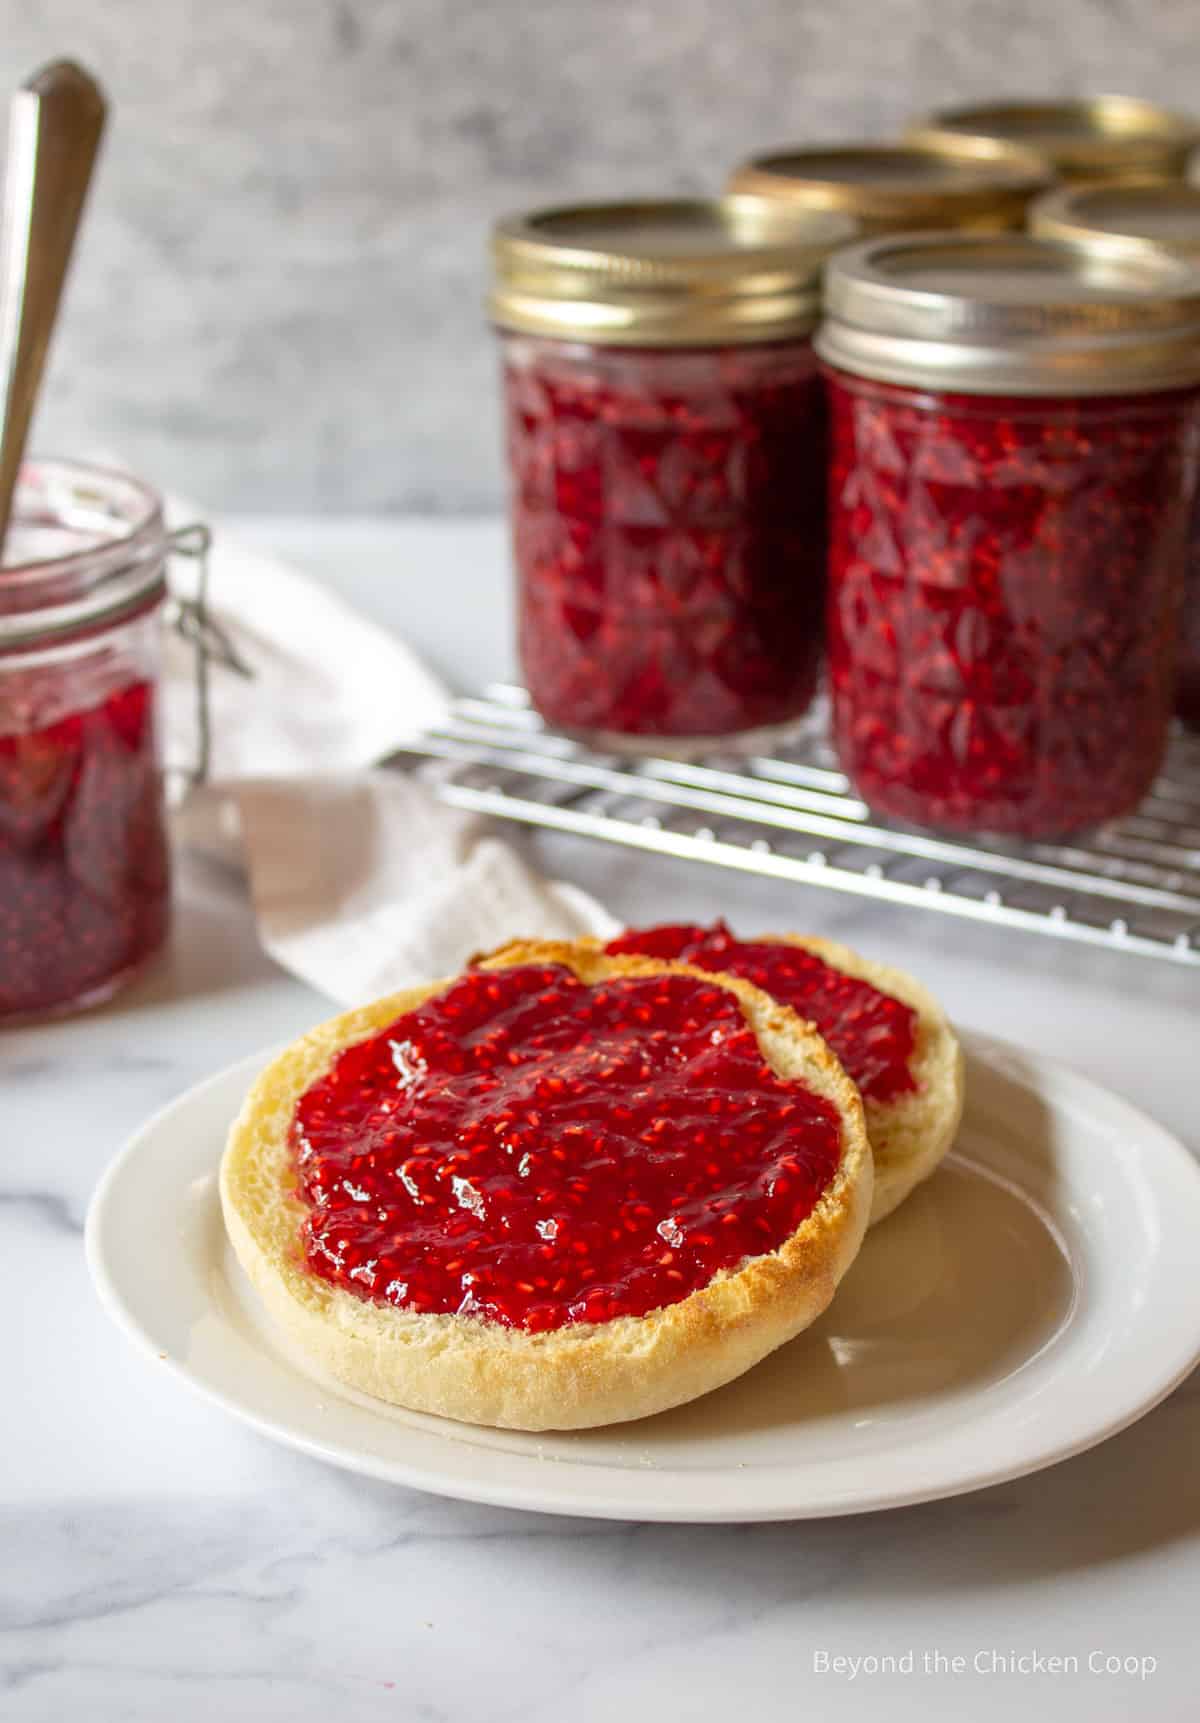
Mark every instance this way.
x=576 y=1373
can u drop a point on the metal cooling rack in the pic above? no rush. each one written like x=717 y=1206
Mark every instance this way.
x=1134 y=886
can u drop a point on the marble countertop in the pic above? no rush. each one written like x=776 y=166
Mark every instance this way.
x=160 y=1560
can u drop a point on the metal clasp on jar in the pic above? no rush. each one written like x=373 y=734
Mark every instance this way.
x=194 y=623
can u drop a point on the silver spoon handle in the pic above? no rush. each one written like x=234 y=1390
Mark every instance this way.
x=55 y=124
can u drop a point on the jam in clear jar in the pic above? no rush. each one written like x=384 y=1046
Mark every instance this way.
x=1005 y=579
x=1122 y=220
x=1187 y=686
x=1006 y=567
x=83 y=851
x=667 y=445
x=668 y=534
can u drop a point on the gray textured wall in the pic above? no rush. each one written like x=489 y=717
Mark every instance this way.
x=278 y=299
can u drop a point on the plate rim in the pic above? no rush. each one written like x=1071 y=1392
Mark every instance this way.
x=544 y=1496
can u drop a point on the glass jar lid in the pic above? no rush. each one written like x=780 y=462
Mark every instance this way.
x=1011 y=314
x=86 y=548
x=683 y=273
x=901 y=186
x=1122 y=217
x=1097 y=136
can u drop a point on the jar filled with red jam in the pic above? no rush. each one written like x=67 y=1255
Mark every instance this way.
x=667 y=447
x=1015 y=430
x=1119 y=221
x=83 y=852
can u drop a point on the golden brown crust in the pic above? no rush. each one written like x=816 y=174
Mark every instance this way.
x=573 y=1377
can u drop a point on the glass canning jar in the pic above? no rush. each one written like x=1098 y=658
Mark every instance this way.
x=666 y=445
x=1097 y=137
x=899 y=188
x=1014 y=443
x=1119 y=221
x=83 y=850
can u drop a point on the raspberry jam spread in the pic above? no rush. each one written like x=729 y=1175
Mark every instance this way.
x=872 y=1034
x=535 y=1151
x=1004 y=583
x=83 y=852
x=668 y=512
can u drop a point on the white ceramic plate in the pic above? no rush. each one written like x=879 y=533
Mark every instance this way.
x=1034 y=1297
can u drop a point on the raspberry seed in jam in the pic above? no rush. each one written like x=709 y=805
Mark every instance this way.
x=536 y=1151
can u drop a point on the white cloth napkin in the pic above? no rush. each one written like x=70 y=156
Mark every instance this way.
x=362 y=881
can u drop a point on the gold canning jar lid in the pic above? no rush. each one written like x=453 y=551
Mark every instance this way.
x=1011 y=315
x=897 y=187
x=1103 y=137
x=679 y=273
x=1121 y=218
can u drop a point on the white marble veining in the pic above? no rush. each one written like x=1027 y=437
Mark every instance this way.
x=158 y=1560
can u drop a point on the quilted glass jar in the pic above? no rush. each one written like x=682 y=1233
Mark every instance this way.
x=83 y=850
x=667 y=449
x=1119 y=221
x=1015 y=433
